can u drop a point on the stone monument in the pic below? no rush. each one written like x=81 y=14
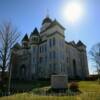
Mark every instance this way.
x=59 y=81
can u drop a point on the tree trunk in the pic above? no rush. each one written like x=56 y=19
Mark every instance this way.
x=3 y=74
x=3 y=80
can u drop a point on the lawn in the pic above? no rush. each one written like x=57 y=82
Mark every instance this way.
x=90 y=90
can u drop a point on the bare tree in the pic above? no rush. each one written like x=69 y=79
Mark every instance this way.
x=8 y=37
x=95 y=56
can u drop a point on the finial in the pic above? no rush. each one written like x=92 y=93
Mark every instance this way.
x=47 y=15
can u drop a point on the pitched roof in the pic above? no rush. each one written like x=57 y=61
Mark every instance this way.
x=16 y=46
x=46 y=20
x=35 y=32
x=72 y=43
x=25 y=38
x=80 y=43
x=55 y=22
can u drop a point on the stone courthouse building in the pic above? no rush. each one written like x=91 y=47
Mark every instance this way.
x=46 y=53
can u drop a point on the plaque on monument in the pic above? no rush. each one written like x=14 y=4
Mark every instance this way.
x=59 y=81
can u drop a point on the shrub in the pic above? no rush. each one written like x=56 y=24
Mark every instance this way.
x=91 y=78
x=74 y=86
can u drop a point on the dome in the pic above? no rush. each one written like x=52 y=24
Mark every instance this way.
x=46 y=20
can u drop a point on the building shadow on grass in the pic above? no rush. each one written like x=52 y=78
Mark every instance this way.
x=27 y=86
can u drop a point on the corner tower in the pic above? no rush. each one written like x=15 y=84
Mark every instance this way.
x=34 y=45
x=53 y=33
x=25 y=41
x=83 y=59
x=46 y=22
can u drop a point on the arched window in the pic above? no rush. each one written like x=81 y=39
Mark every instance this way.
x=74 y=68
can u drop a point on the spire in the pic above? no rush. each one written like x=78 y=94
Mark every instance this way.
x=25 y=38
x=47 y=18
x=47 y=13
x=16 y=46
x=35 y=32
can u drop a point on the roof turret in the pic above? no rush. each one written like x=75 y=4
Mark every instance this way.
x=35 y=32
x=80 y=43
x=47 y=20
x=25 y=38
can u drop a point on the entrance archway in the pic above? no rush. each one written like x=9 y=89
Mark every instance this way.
x=23 y=72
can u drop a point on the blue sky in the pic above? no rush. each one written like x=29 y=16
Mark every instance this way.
x=28 y=14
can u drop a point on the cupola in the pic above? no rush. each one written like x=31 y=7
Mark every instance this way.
x=46 y=20
x=45 y=23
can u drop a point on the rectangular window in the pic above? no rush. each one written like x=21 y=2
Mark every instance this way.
x=54 y=41
x=45 y=48
x=54 y=54
x=45 y=59
x=33 y=60
x=50 y=66
x=63 y=56
x=33 y=49
x=41 y=59
x=50 y=55
x=35 y=65
x=54 y=68
x=40 y=49
x=59 y=43
x=50 y=43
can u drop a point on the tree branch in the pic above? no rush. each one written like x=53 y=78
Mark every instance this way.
x=2 y=35
x=8 y=37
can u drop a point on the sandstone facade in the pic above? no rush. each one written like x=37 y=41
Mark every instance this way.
x=46 y=53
